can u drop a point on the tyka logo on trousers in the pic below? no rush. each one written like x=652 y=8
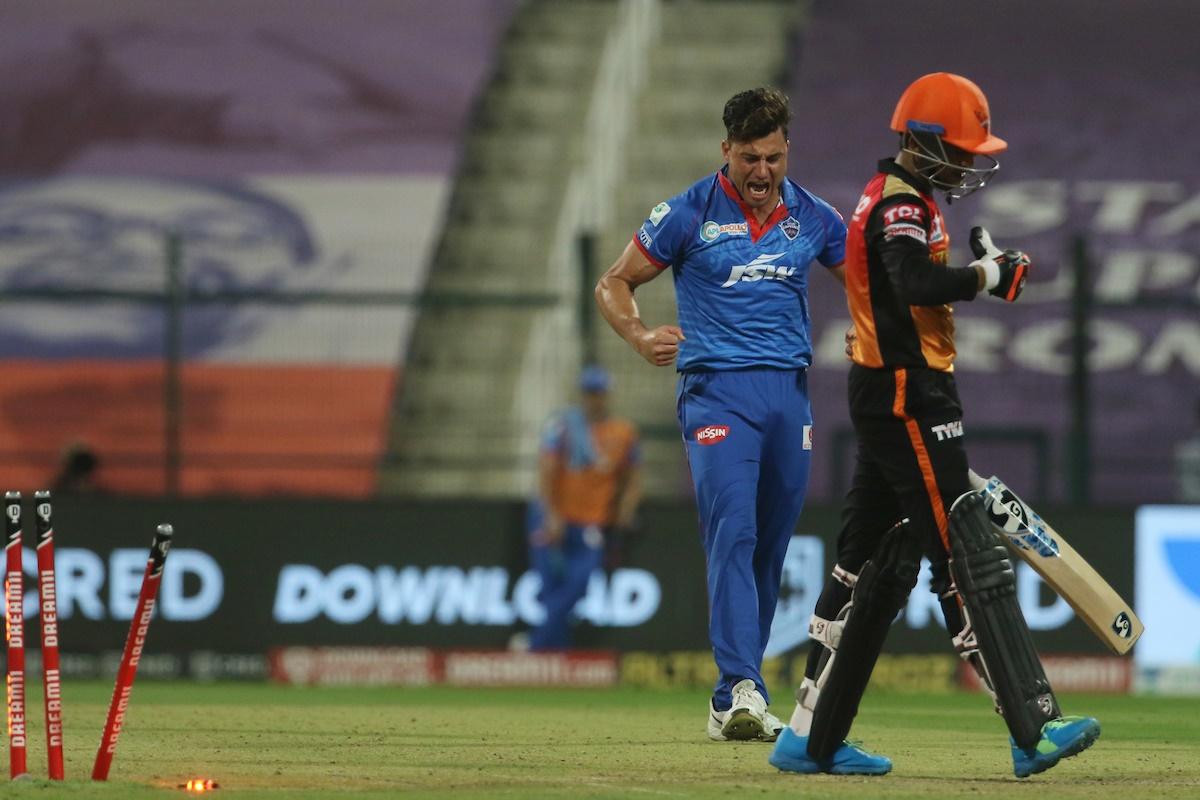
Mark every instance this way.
x=951 y=430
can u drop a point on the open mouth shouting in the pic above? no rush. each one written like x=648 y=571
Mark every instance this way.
x=758 y=192
x=757 y=168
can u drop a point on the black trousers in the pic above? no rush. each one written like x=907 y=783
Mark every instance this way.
x=910 y=463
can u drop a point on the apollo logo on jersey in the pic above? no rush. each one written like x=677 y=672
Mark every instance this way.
x=711 y=434
x=760 y=269
x=710 y=230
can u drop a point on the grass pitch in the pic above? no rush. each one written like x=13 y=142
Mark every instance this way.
x=276 y=742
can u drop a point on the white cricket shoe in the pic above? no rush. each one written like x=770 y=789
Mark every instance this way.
x=747 y=718
x=772 y=727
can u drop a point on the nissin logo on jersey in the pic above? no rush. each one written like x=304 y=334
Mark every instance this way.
x=711 y=434
x=760 y=269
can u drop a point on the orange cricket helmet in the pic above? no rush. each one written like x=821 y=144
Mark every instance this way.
x=953 y=108
x=943 y=109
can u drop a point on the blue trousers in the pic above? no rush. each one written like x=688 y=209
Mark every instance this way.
x=565 y=569
x=748 y=435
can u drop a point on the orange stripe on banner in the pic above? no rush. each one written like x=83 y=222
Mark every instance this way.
x=246 y=429
x=918 y=444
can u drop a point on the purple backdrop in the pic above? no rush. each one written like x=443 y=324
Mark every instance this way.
x=217 y=89
x=1097 y=102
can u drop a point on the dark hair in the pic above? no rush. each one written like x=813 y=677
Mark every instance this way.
x=756 y=113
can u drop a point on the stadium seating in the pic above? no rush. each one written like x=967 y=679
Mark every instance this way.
x=457 y=428
x=696 y=67
x=459 y=424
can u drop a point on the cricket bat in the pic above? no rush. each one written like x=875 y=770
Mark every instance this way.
x=1043 y=548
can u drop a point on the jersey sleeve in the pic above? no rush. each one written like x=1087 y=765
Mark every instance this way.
x=666 y=231
x=899 y=230
x=834 y=252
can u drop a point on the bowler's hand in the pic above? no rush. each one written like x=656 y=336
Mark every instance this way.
x=851 y=338
x=660 y=346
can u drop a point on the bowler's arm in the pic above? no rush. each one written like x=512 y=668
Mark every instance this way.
x=614 y=296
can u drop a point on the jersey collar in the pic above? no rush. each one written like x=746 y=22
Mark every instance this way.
x=890 y=167
x=756 y=231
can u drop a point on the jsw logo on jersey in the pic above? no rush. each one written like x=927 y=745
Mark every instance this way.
x=760 y=269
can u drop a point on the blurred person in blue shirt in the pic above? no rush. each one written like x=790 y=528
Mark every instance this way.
x=588 y=488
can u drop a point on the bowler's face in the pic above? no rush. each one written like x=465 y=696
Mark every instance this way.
x=757 y=169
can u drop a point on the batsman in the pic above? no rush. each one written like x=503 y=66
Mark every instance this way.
x=911 y=463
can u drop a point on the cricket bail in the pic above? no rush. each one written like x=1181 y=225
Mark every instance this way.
x=43 y=516
x=160 y=546
x=12 y=514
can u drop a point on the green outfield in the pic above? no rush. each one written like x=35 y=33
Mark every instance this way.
x=271 y=741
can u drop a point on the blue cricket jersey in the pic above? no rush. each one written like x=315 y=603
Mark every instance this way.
x=741 y=288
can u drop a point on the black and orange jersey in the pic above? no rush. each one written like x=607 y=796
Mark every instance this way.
x=897 y=283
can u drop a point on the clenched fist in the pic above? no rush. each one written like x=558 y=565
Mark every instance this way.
x=660 y=346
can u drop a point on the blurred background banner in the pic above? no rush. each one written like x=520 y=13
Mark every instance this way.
x=1168 y=591
x=242 y=578
x=285 y=168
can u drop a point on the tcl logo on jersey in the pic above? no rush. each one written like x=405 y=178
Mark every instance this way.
x=759 y=269
x=711 y=434
x=902 y=212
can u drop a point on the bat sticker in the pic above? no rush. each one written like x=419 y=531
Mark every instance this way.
x=1021 y=526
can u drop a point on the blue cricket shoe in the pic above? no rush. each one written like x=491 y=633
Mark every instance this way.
x=791 y=755
x=1061 y=738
